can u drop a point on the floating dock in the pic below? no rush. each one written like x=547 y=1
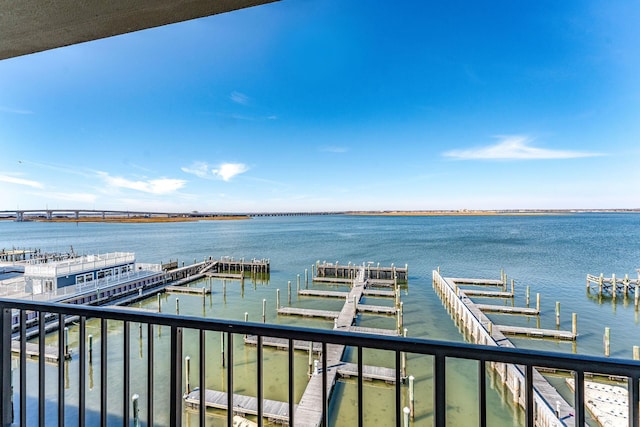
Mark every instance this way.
x=308 y=312
x=371 y=272
x=273 y=410
x=51 y=353
x=187 y=290
x=308 y=412
x=608 y=404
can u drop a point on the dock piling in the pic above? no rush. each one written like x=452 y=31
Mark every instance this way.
x=600 y=283
x=66 y=341
x=306 y=278
x=528 y=295
x=289 y=291
x=614 y=286
x=607 y=336
x=177 y=305
x=264 y=311
x=512 y=287
x=404 y=358
x=136 y=410
x=277 y=298
x=159 y=304
x=411 y=397
x=636 y=352
x=298 y=283
x=538 y=302
x=635 y=297
x=222 y=348
x=574 y=324
x=187 y=370
x=557 y=313
x=406 y=412
x=310 y=357
x=90 y=348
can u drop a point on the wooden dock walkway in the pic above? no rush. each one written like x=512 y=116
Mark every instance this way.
x=370 y=373
x=308 y=312
x=378 y=293
x=476 y=282
x=283 y=343
x=344 y=294
x=51 y=353
x=344 y=280
x=526 y=311
x=536 y=332
x=309 y=410
x=381 y=283
x=376 y=331
x=489 y=294
x=273 y=410
x=378 y=309
x=230 y=276
x=326 y=294
x=187 y=290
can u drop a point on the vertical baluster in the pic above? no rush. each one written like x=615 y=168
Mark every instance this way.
x=529 y=414
x=82 y=368
x=291 y=382
x=203 y=378
x=579 y=398
x=260 y=374
x=23 y=368
x=61 y=357
x=360 y=392
x=440 y=398
x=103 y=372
x=126 y=372
x=634 y=395
x=482 y=392
x=398 y=388
x=325 y=398
x=41 y=374
x=175 y=403
x=230 y=379
x=150 y=359
x=6 y=417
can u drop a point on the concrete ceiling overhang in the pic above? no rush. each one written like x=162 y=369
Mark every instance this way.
x=29 y=26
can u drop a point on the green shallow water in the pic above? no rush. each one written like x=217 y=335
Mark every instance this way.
x=551 y=254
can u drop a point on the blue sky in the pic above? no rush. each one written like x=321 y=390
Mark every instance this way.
x=334 y=105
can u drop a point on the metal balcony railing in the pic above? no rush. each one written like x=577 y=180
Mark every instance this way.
x=12 y=311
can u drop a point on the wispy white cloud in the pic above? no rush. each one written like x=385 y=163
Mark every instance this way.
x=199 y=169
x=515 y=147
x=20 y=181
x=239 y=98
x=334 y=149
x=10 y=110
x=152 y=186
x=226 y=171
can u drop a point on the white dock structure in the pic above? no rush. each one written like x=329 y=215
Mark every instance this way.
x=480 y=330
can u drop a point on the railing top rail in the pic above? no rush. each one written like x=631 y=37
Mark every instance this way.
x=574 y=362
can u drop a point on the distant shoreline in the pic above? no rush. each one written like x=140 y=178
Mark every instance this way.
x=139 y=219
x=465 y=212
x=157 y=217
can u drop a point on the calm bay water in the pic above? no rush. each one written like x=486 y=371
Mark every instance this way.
x=550 y=253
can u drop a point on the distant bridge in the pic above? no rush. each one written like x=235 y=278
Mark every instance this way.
x=49 y=214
